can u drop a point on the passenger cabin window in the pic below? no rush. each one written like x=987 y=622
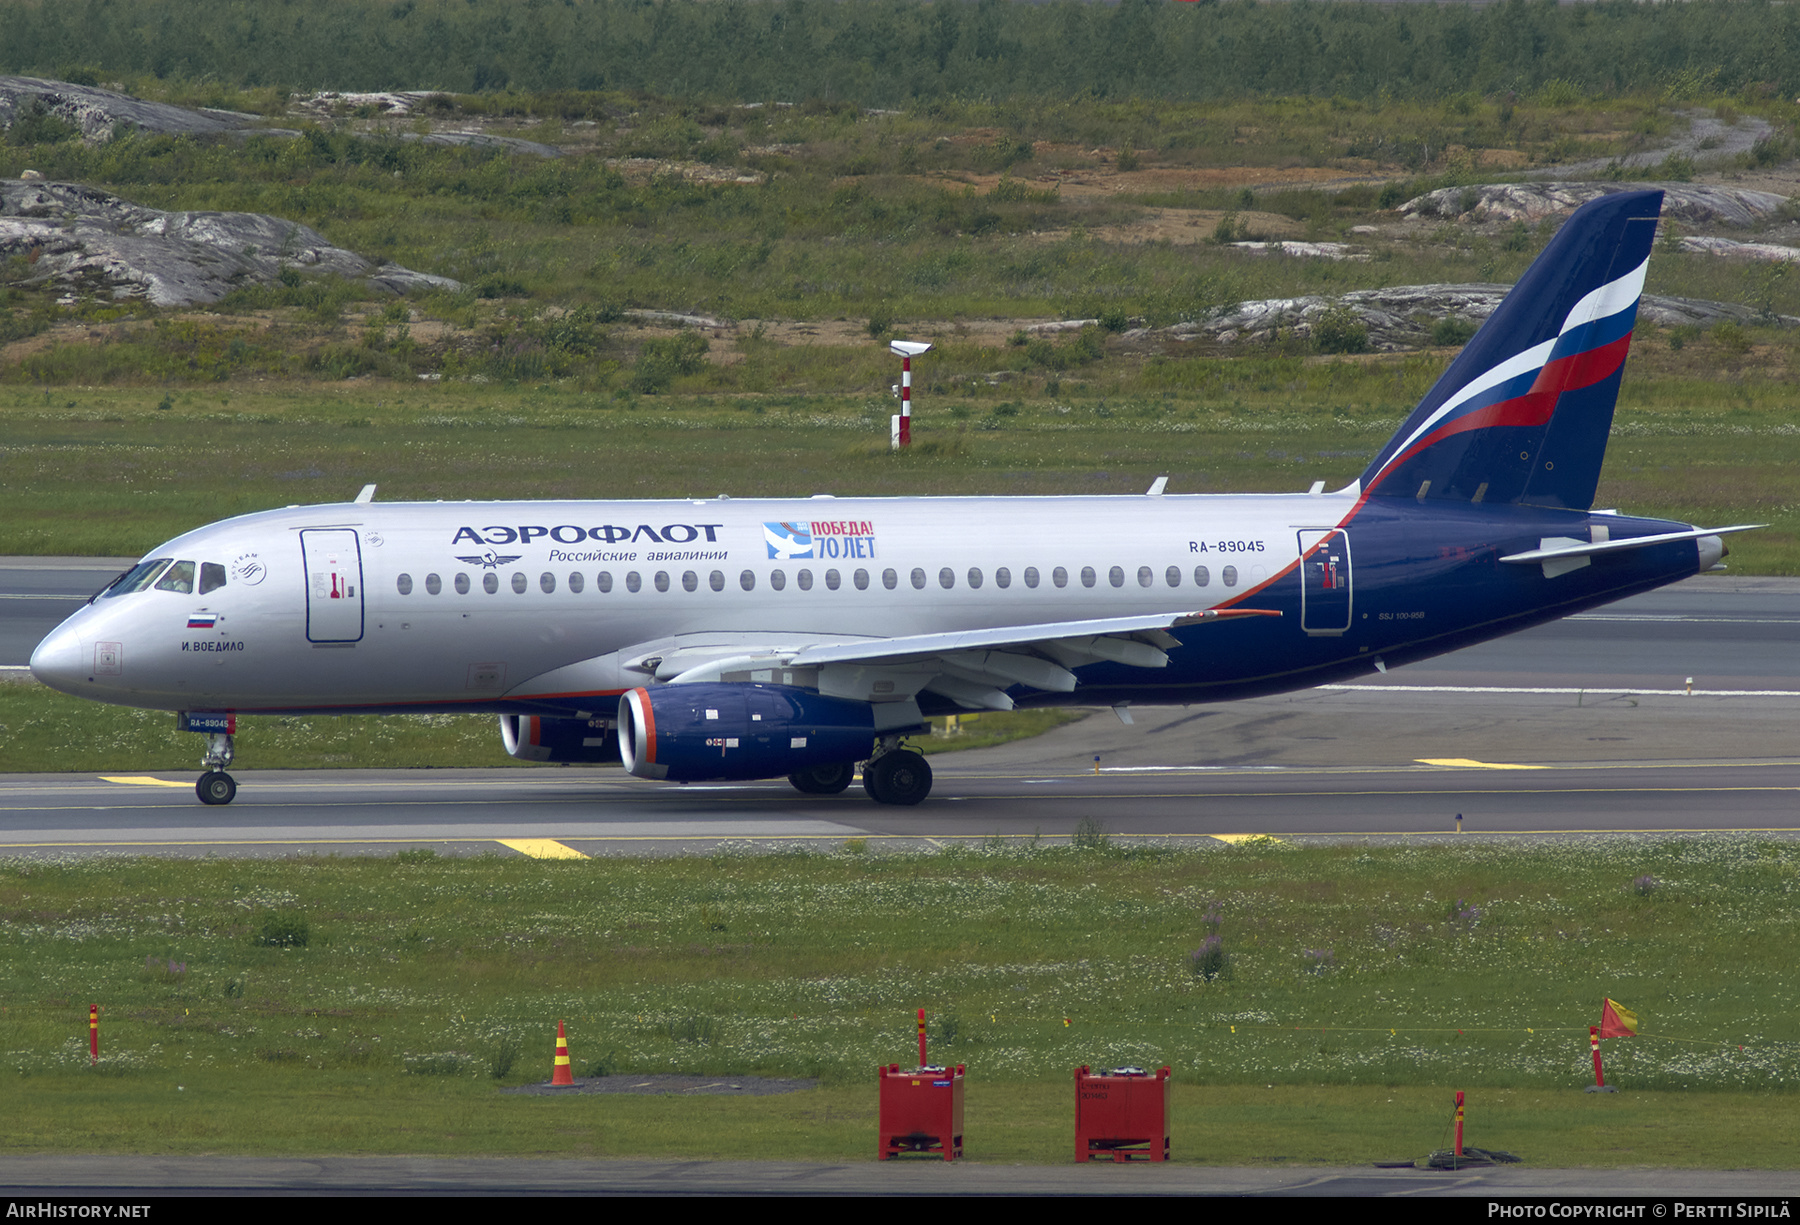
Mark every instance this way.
x=603 y=581
x=804 y=578
x=433 y=584
x=490 y=582
x=576 y=582
x=546 y=582
x=1146 y=576
x=778 y=579
x=404 y=584
x=1229 y=574
x=918 y=579
x=1116 y=576
x=462 y=584
x=889 y=579
x=519 y=583
x=1173 y=577
x=690 y=581
x=212 y=577
x=1003 y=577
x=1202 y=576
x=633 y=583
x=1031 y=577
x=946 y=578
x=1088 y=577
x=178 y=578
x=833 y=580
x=974 y=576
x=747 y=580
x=716 y=580
x=1060 y=577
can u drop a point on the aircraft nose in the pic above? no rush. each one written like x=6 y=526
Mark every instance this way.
x=58 y=661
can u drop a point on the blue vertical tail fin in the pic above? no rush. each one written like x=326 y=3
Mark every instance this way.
x=1523 y=413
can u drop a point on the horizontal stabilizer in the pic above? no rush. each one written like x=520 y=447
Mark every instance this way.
x=1585 y=549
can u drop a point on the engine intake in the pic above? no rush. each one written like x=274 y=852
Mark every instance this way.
x=691 y=733
x=536 y=738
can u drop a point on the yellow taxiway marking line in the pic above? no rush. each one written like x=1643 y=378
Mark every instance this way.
x=141 y=780
x=1234 y=839
x=541 y=848
x=1466 y=763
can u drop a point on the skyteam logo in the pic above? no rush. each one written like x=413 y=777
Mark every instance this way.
x=788 y=541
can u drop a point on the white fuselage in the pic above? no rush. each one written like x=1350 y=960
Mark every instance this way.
x=463 y=604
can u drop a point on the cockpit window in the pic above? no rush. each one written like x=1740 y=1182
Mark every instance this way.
x=212 y=577
x=178 y=578
x=138 y=577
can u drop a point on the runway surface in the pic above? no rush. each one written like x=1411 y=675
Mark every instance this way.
x=1584 y=726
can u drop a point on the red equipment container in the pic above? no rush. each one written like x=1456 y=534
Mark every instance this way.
x=1121 y=1115
x=921 y=1111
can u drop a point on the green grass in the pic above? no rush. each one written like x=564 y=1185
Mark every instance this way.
x=1474 y=966
x=107 y=472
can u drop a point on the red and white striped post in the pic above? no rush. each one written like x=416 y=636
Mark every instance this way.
x=1459 y=1123
x=93 y=1033
x=1594 y=1041
x=907 y=350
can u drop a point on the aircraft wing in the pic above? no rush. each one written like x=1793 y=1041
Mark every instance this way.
x=972 y=668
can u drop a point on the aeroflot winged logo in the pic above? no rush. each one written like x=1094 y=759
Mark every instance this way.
x=819 y=539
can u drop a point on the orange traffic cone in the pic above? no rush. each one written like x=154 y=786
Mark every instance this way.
x=562 y=1075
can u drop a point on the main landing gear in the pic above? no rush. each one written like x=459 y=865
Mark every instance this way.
x=897 y=776
x=216 y=786
x=892 y=776
x=824 y=780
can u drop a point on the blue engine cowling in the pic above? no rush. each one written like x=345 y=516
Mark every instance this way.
x=537 y=738
x=690 y=733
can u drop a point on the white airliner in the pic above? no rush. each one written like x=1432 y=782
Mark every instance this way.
x=741 y=639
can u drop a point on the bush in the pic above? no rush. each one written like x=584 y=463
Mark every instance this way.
x=1451 y=330
x=1676 y=168
x=1210 y=962
x=1731 y=338
x=660 y=361
x=283 y=929
x=1089 y=835
x=1339 y=330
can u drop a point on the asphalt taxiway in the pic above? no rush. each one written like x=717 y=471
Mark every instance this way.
x=1670 y=713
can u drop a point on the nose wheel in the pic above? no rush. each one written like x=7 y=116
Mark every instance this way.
x=216 y=786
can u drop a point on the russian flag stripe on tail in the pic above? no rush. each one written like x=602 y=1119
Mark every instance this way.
x=1523 y=413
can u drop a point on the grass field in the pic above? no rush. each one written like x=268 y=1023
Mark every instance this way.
x=109 y=472
x=334 y=1005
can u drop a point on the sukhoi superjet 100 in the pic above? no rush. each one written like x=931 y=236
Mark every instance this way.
x=721 y=638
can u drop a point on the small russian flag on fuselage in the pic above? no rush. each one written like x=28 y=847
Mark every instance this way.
x=202 y=621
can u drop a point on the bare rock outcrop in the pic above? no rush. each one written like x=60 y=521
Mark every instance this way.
x=1690 y=203
x=1765 y=252
x=1401 y=316
x=97 y=113
x=91 y=241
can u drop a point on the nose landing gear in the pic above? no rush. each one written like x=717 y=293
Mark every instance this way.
x=216 y=786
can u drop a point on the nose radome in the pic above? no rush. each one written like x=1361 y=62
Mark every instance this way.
x=58 y=661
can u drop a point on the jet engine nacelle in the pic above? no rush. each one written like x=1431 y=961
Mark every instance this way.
x=689 y=733
x=533 y=738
